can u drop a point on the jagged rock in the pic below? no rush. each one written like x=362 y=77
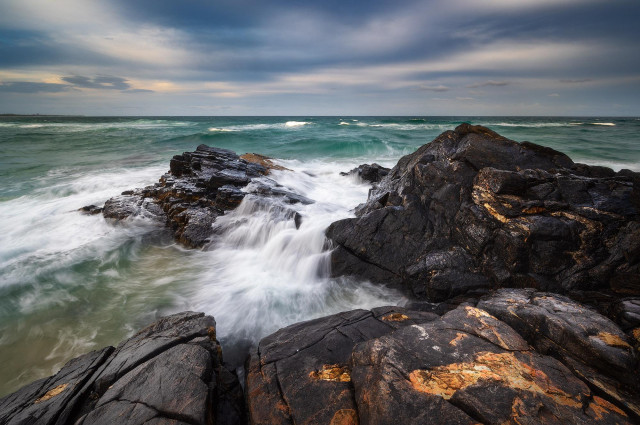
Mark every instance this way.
x=169 y=372
x=301 y=373
x=199 y=187
x=371 y=173
x=475 y=210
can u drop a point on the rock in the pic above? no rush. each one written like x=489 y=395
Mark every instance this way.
x=469 y=367
x=394 y=366
x=371 y=173
x=169 y=372
x=263 y=160
x=301 y=374
x=590 y=344
x=199 y=188
x=473 y=210
x=90 y=210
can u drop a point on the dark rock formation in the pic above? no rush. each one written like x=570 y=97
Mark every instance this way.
x=90 y=210
x=301 y=374
x=168 y=373
x=542 y=359
x=591 y=345
x=369 y=173
x=200 y=187
x=473 y=210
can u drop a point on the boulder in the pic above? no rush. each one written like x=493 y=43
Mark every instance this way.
x=370 y=173
x=473 y=210
x=169 y=372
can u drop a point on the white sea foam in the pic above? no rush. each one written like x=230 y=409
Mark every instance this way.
x=344 y=123
x=408 y=127
x=40 y=231
x=607 y=124
x=221 y=130
x=263 y=273
x=530 y=125
x=296 y=123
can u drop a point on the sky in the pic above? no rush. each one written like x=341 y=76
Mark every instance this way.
x=329 y=57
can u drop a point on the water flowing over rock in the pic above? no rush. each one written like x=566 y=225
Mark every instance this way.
x=473 y=210
x=168 y=373
x=199 y=187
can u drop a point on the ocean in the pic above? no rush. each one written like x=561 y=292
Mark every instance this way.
x=71 y=283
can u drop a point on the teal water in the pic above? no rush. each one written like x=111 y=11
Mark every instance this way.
x=71 y=283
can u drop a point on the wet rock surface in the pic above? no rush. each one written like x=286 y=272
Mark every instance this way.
x=393 y=365
x=169 y=372
x=370 y=173
x=301 y=374
x=474 y=210
x=199 y=187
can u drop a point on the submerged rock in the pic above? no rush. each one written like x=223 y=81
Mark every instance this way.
x=474 y=210
x=169 y=372
x=199 y=187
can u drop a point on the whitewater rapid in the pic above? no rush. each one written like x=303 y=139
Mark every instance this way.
x=81 y=282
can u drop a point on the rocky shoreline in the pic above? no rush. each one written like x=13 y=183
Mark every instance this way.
x=523 y=267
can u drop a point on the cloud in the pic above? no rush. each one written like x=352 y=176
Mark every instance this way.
x=139 y=91
x=438 y=88
x=576 y=81
x=31 y=87
x=99 y=82
x=490 y=83
x=553 y=95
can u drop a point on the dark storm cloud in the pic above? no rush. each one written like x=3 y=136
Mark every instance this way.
x=490 y=83
x=30 y=87
x=576 y=80
x=99 y=82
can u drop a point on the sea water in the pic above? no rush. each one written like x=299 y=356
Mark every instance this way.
x=71 y=283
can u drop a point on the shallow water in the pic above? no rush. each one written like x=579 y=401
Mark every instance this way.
x=70 y=283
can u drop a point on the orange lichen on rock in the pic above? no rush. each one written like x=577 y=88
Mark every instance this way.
x=212 y=333
x=395 y=317
x=332 y=373
x=494 y=213
x=636 y=334
x=52 y=393
x=488 y=329
x=600 y=407
x=505 y=368
x=533 y=210
x=345 y=417
x=265 y=161
x=459 y=337
x=612 y=340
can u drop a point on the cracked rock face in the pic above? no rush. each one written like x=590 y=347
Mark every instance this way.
x=168 y=373
x=474 y=210
x=301 y=374
x=499 y=362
